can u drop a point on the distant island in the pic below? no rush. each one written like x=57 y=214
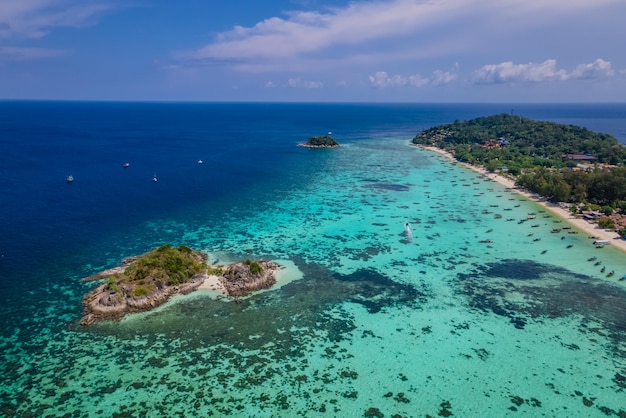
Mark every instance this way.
x=144 y=282
x=563 y=163
x=324 y=141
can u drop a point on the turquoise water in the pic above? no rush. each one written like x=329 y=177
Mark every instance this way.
x=376 y=325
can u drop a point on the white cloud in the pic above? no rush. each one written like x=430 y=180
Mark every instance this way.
x=382 y=79
x=441 y=77
x=508 y=72
x=597 y=69
x=409 y=29
x=300 y=84
x=34 y=18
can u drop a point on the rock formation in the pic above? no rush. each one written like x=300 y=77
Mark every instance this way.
x=324 y=141
x=142 y=283
x=240 y=279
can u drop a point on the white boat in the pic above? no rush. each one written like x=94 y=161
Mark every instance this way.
x=408 y=232
x=126 y=165
x=69 y=178
x=154 y=179
x=602 y=242
x=200 y=161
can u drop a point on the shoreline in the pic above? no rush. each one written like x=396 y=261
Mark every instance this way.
x=590 y=229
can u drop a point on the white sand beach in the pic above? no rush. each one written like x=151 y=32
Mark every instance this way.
x=588 y=228
x=213 y=283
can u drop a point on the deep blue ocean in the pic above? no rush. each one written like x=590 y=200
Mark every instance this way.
x=247 y=151
x=53 y=233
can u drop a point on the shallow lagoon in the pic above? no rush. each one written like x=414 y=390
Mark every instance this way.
x=378 y=324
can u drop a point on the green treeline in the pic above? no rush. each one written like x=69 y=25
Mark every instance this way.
x=599 y=186
x=536 y=153
x=165 y=265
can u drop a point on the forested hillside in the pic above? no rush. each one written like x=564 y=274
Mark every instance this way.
x=561 y=162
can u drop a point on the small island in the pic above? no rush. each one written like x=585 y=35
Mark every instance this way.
x=145 y=282
x=324 y=141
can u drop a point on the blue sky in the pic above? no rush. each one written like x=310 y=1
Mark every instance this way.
x=314 y=50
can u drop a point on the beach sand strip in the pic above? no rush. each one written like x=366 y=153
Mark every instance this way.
x=588 y=228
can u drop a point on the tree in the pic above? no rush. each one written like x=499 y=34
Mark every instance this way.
x=606 y=223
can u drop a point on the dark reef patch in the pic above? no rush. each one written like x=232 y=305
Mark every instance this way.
x=233 y=347
x=270 y=316
x=389 y=186
x=521 y=289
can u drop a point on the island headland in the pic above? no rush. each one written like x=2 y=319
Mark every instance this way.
x=145 y=282
x=324 y=141
x=577 y=174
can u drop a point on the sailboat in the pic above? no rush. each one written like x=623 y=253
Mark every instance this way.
x=407 y=230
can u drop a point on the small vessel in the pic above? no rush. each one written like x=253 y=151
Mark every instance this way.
x=602 y=269
x=594 y=258
x=69 y=178
x=200 y=161
x=154 y=178
x=597 y=263
x=622 y=278
x=611 y=273
x=602 y=242
x=486 y=241
x=126 y=165
x=407 y=230
x=570 y=245
x=544 y=251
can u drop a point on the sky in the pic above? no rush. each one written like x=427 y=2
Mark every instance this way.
x=427 y=51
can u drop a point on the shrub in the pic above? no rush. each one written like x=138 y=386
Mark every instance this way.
x=255 y=268
x=139 y=291
x=111 y=284
x=606 y=223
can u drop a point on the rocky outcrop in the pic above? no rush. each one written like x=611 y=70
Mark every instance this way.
x=240 y=279
x=120 y=295
x=105 y=304
x=324 y=141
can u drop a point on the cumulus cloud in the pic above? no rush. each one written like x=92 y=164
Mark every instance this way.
x=508 y=72
x=597 y=69
x=382 y=79
x=35 y=18
x=300 y=84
